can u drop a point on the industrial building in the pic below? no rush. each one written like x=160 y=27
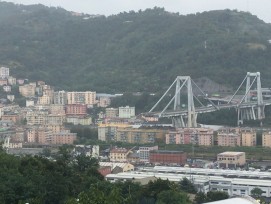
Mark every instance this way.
x=205 y=180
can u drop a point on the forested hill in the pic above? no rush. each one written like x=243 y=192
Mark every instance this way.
x=135 y=51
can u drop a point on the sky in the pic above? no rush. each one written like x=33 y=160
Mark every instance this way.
x=261 y=8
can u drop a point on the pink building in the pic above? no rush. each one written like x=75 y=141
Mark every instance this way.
x=76 y=109
x=199 y=136
x=228 y=139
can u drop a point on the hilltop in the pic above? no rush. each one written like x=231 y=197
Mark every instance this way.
x=135 y=51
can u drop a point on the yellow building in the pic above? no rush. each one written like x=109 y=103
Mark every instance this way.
x=119 y=154
x=45 y=100
x=266 y=139
x=231 y=159
x=140 y=135
x=107 y=132
x=248 y=137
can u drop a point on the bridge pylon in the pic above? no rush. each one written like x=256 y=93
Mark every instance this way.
x=189 y=120
x=255 y=112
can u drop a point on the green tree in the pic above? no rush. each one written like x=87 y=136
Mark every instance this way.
x=200 y=198
x=187 y=186
x=256 y=192
x=172 y=197
x=216 y=195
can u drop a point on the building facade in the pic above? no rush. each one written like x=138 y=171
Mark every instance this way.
x=231 y=159
x=126 y=112
x=168 y=157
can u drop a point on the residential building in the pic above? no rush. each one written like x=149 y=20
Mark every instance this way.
x=57 y=109
x=108 y=132
x=7 y=88
x=55 y=119
x=76 y=109
x=3 y=82
x=88 y=98
x=111 y=112
x=126 y=112
x=10 y=116
x=140 y=135
x=27 y=90
x=205 y=137
x=125 y=167
x=36 y=117
x=79 y=120
x=65 y=137
x=266 y=139
x=54 y=128
x=60 y=97
x=119 y=154
x=104 y=102
x=168 y=157
x=11 y=80
x=198 y=136
x=45 y=100
x=231 y=159
x=4 y=72
x=248 y=137
x=228 y=139
x=144 y=153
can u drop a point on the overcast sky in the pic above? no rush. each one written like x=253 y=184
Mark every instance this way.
x=261 y=8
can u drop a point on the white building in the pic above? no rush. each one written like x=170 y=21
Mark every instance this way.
x=204 y=183
x=60 y=97
x=4 y=72
x=126 y=112
x=144 y=153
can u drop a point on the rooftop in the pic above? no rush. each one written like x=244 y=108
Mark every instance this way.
x=230 y=153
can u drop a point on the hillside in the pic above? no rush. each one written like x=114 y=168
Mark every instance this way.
x=135 y=51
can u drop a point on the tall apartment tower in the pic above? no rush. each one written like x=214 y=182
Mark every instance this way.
x=60 y=97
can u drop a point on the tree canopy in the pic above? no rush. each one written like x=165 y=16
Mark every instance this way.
x=134 y=51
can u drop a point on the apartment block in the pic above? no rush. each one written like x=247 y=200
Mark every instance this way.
x=126 y=112
x=87 y=97
x=3 y=82
x=76 y=109
x=228 y=139
x=55 y=119
x=205 y=137
x=140 y=135
x=60 y=97
x=45 y=100
x=144 y=153
x=54 y=128
x=266 y=139
x=231 y=159
x=111 y=112
x=199 y=136
x=63 y=138
x=12 y=81
x=36 y=117
x=79 y=120
x=4 y=72
x=27 y=90
x=57 y=109
x=108 y=132
x=248 y=137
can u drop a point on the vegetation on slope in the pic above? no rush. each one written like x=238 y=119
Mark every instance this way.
x=135 y=51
